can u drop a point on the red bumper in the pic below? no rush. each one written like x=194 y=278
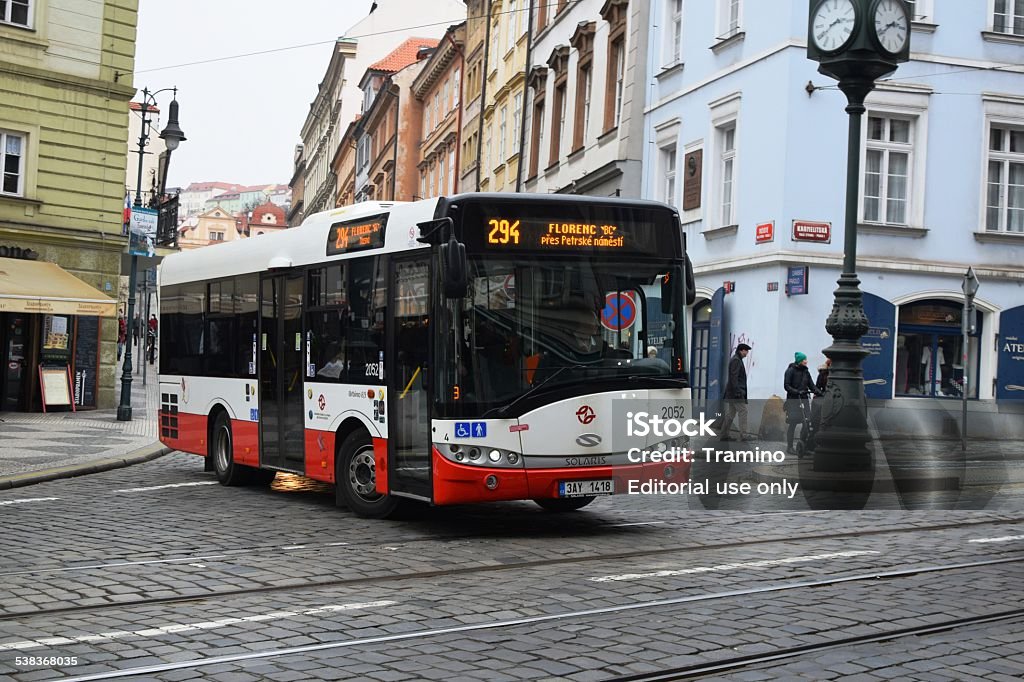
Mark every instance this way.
x=463 y=484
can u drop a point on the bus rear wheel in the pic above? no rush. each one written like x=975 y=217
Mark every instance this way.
x=565 y=504
x=355 y=479
x=221 y=450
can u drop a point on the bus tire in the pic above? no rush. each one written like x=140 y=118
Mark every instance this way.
x=221 y=443
x=355 y=478
x=565 y=504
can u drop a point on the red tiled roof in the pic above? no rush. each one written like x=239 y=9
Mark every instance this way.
x=271 y=208
x=204 y=186
x=403 y=55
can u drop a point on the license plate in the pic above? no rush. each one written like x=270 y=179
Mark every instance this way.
x=586 y=488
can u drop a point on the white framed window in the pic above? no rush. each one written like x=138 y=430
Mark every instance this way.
x=888 y=169
x=620 y=80
x=921 y=10
x=446 y=95
x=423 y=183
x=668 y=174
x=517 y=119
x=216 y=236
x=17 y=12
x=502 y=133
x=430 y=180
x=368 y=96
x=12 y=163
x=440 y=173
x=726 y=140
x=513 y=23
x=730 y=18
x=457 y=89
x=673 y=32
x=451 y=170
x=437 y=108
x=1004 y=194
x=588 y=86
x=487 y=148
x=363 y=152
x=1008 y=17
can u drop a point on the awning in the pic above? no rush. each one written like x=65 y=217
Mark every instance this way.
x=38 y=287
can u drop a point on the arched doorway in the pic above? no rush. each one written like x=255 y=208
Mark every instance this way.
x=929 y=351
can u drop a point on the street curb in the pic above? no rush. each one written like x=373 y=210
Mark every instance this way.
x=144 y=454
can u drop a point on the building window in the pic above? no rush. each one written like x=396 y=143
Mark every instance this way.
x=423 y=184
x=446 y=96
x=668 y=169
x=541 y=17
x=440 y=173
x=216 y=236
x=451 y=170
x=1008 y=17
x=513 y=23
x=557 y=121
x=437 y=108
x=12 y=154
x=457 y=89
x=1004 y=206
x=726 y=137
x=538 y=136
x=487 y=147
x=583 y=41
x=16 y=12
x=502 y=134
x=729 y=16
x=674 y=33
x=615 y=13
x=887 y=166
x=517 y=119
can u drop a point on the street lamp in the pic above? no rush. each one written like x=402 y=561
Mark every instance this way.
x=172 y=136
x=970 y=288
x=855 y=42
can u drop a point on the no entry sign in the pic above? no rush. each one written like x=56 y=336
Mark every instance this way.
x=619 y=311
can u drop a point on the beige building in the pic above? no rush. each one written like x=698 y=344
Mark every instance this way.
x=438 y=90
x=502 y=106
x=65 y=86
x=212 y=227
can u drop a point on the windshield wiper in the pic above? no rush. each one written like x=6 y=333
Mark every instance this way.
x=503 y=409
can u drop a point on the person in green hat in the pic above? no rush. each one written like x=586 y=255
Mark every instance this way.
x=799 y=386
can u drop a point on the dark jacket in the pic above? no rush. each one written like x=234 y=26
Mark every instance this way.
x=736 y=386
x=798 y=383
x=822 y=381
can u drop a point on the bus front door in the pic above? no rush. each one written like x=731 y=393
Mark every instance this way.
x=409 y=444
x=282 y=427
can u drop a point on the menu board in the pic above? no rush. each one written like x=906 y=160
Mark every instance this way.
x=86 y=372
x=53 y=382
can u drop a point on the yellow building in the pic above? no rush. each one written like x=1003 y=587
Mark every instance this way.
x=65 y=85
x=496 y=46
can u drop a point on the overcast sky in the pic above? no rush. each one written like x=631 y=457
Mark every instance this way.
x=242 y=116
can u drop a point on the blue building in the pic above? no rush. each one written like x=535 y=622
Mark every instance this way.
x=749 y=141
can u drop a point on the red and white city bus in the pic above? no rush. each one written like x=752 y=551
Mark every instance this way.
x=453 y=350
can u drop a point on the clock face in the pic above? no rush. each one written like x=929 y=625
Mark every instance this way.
x=833 y=24
x=891 y=27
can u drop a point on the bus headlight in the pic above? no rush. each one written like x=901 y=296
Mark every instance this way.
x=494 y=456
x=475 y=455
x=513 y=458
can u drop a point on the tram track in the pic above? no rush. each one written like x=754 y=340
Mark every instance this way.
x=675 y=673
x=469 y=570
x=744 y=662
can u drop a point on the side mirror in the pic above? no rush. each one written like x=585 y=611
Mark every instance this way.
x=672 y=290
x=456 y=271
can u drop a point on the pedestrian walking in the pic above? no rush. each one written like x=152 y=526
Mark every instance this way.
x=122 y=334
x=136 y=329
x=736 y=394
x=151 y=338
x=799 y=386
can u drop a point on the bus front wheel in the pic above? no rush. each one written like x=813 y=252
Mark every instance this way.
x=355 y=479
x=566 y=504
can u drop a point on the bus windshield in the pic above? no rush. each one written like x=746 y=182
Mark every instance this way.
x=541 y=325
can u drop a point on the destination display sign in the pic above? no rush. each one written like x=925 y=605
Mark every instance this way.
x=569 y=227
x=356 y=235
x=506 y=233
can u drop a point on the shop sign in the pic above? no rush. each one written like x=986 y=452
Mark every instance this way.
x=810 y=231
x=1010 y=370
x=949 y=315
x=18 y=252
x=765 y=232
x=796 y=280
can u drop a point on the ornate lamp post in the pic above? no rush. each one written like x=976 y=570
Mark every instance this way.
x=855 y=42
x=172 y=136
x=970 y=288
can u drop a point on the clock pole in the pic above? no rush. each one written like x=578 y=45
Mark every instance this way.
x=863 y=57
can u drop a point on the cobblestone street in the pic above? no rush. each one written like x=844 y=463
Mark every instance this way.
x=157 y=572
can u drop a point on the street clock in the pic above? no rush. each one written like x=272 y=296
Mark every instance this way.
x=858 y=39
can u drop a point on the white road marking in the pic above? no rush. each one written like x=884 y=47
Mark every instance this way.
x=294 y=547
x=730 y=567
x=161 y=487
x=188 y=627
x=637 y=523
x=1005 y=538
x=29 y=499
x=336 y=544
